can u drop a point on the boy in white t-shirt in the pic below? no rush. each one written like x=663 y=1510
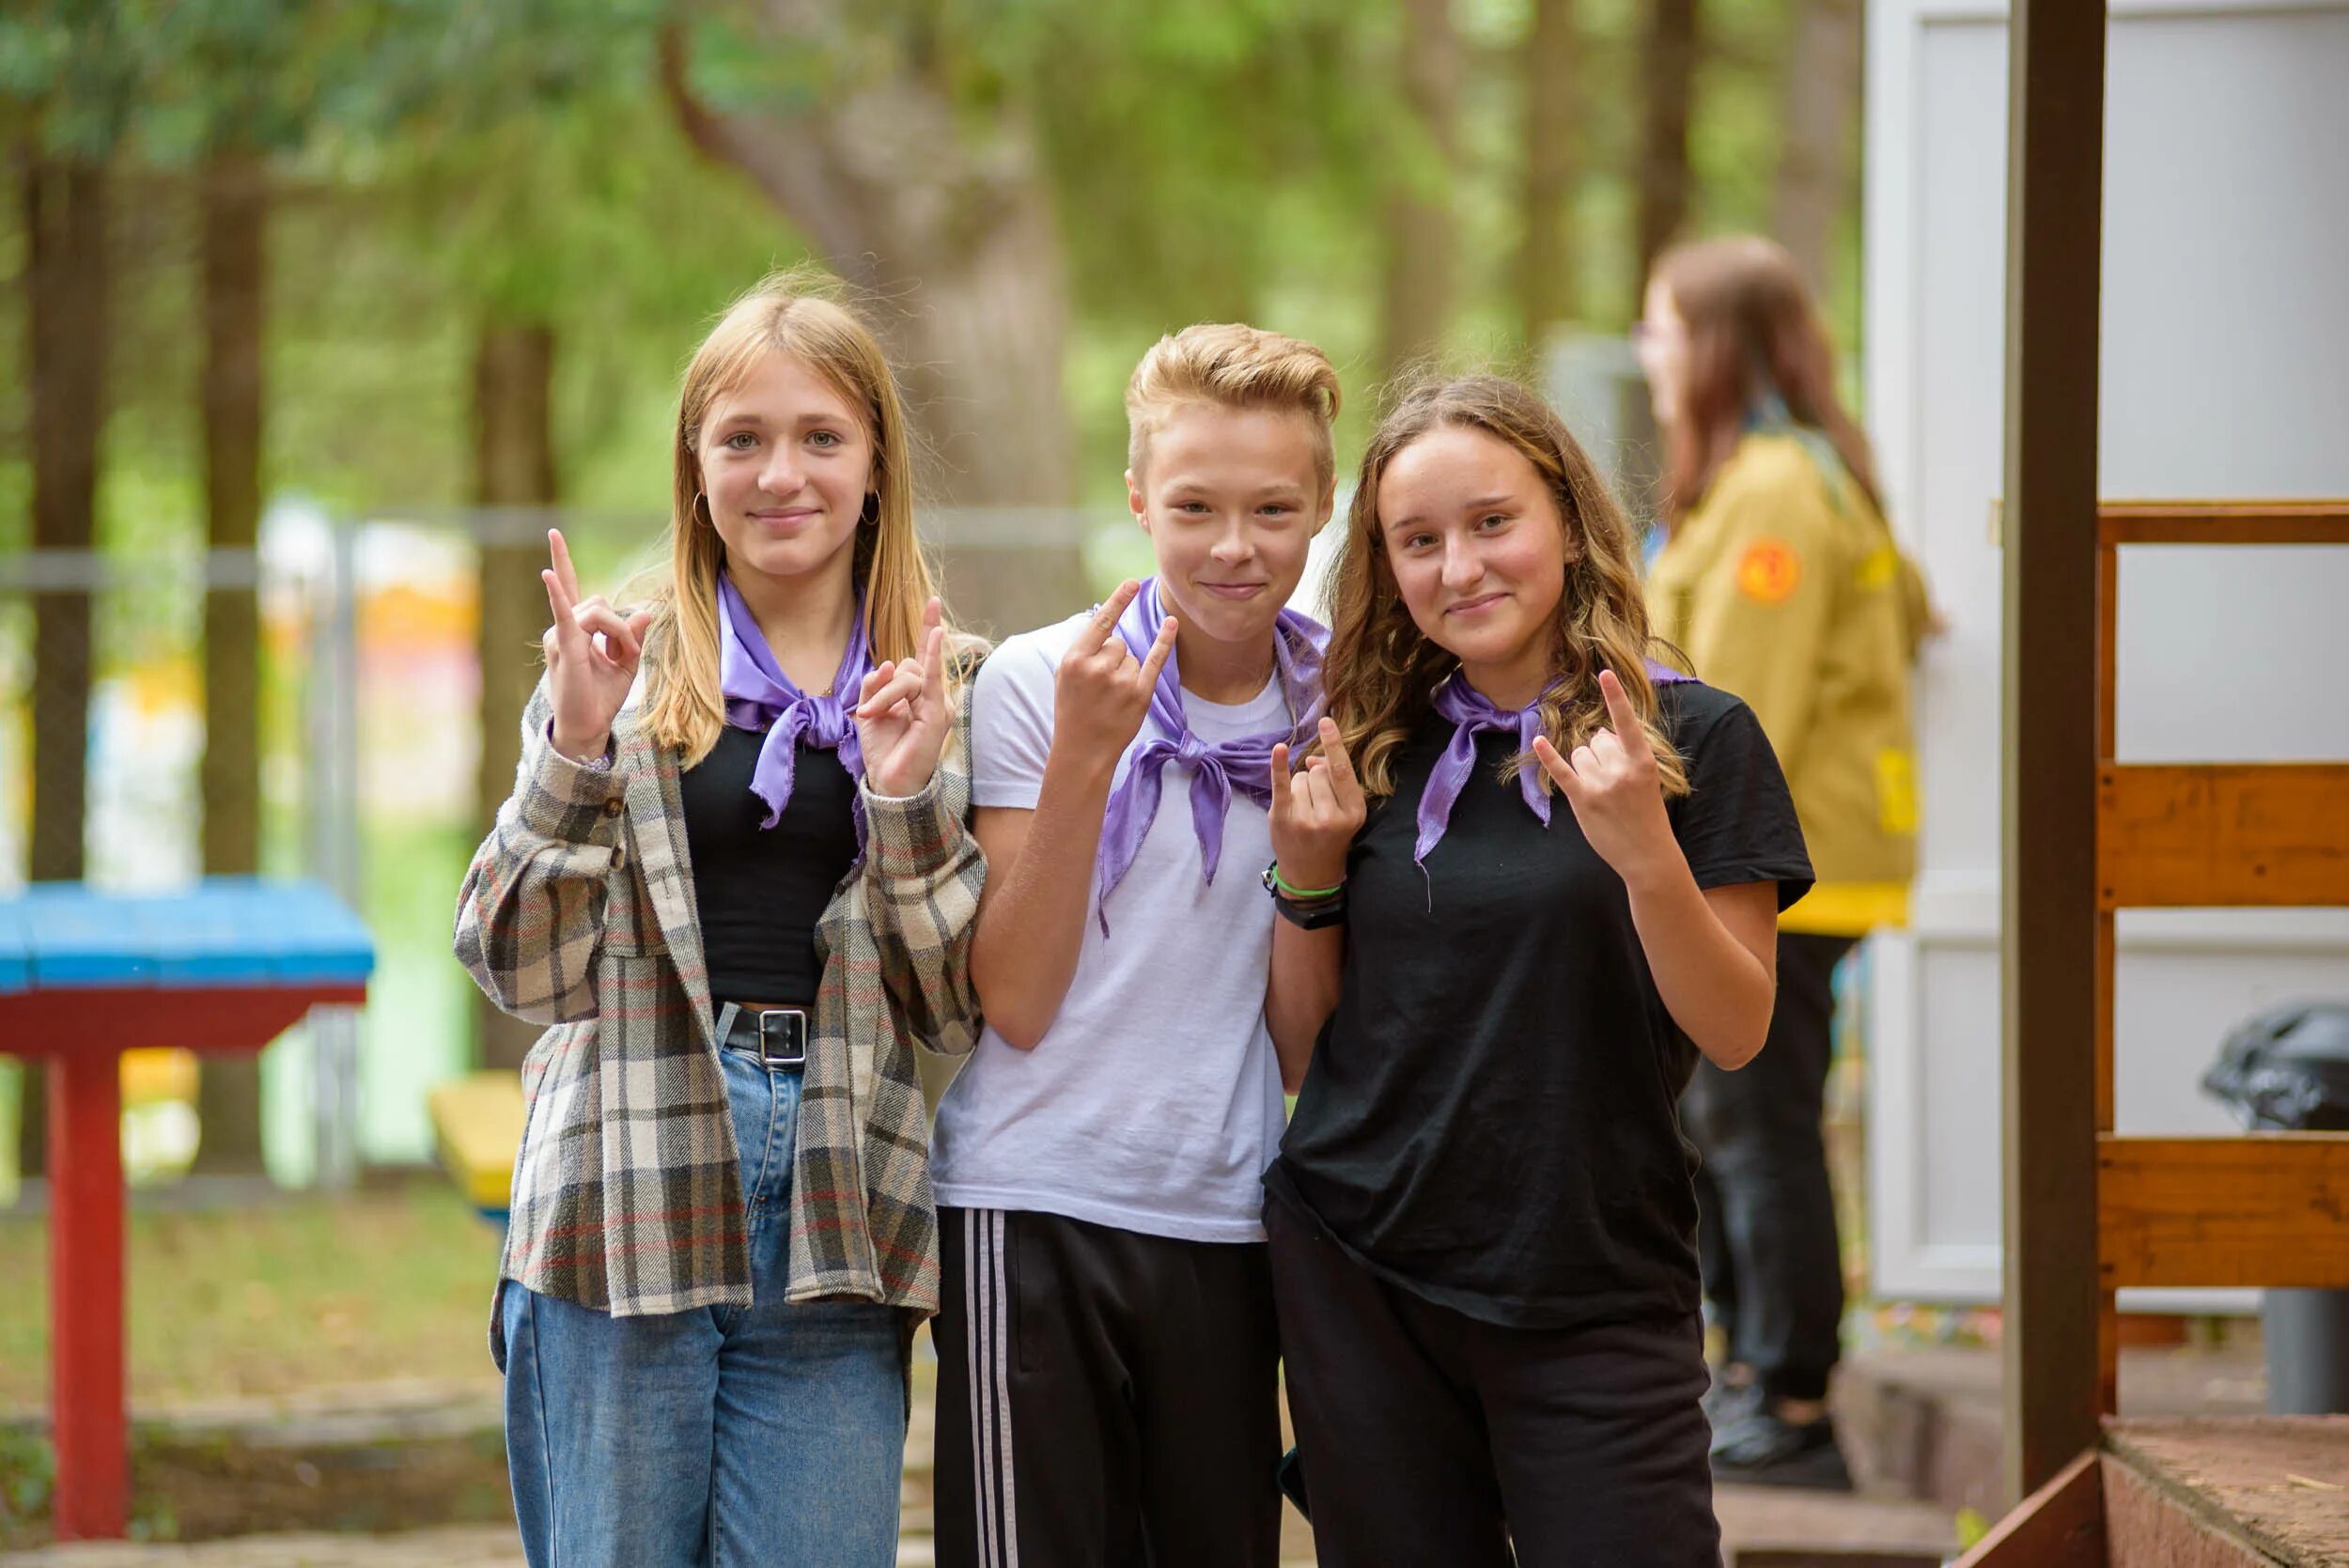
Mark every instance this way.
x=1108 y=1356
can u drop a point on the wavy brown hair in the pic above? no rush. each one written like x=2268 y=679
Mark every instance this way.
x=1381 y=671
x=1752 y=331
x=800 y=313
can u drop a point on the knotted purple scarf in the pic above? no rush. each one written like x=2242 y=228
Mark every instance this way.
x=760 y=696
x=1472 y=713
x=1216 y=769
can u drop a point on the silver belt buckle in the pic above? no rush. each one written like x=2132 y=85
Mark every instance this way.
x=783 y=1036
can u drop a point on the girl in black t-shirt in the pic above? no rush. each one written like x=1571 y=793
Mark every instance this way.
x=1481 y=1221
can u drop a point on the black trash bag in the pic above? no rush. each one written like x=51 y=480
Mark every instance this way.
x=2287 y=1070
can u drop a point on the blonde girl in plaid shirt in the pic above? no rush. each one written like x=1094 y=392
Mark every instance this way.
x=717 y=1254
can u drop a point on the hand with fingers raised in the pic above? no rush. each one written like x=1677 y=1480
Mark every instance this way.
x=1102 y=691
x=592 y=651
x=902 y=720
x=1611 y=782
x=1316 y=810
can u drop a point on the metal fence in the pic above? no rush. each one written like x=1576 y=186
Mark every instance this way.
x=369 y=777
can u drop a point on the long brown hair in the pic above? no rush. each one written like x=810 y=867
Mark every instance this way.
x=800 y=313
x=1752 y=332
x=1381 y=671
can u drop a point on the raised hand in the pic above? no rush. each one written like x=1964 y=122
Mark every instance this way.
x=1316 y=812
x=591 y=651
x=902 y=720
x=1102 y=692
x=1612 y=785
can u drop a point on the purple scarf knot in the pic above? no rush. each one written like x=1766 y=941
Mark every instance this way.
x=760 y=696
x=1217 y=767
x=1473 y=713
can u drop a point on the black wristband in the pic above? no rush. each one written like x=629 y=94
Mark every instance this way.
x=1315 y=916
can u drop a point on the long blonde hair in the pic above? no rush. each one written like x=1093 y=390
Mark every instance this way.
x=800 y=313
x=1382 y=672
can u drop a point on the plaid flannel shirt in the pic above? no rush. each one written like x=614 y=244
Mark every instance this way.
x=578 y=913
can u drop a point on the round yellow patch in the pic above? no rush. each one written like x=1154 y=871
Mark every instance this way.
x=1768 y=571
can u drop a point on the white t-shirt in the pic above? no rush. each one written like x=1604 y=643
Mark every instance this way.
x=1153 y=1103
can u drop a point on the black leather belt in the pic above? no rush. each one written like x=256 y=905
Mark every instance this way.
x=776 y=1036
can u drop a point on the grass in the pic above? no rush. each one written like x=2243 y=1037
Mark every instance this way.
x=387 y=1283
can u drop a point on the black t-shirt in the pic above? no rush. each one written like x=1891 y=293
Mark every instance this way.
x=1489 y=1117
x=760 y=891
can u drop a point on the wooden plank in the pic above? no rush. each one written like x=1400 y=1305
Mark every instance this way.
x=2223 y=523
x=2047 y=756
x=2262 y=1209
x=2223 y=835
x=2061 y=1525
x=2278 y=1485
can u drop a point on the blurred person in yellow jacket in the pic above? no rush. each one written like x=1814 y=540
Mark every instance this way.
x=1781 y=583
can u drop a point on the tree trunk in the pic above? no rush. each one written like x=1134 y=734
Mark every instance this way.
x=513 y=386
x=944 y=223
x=1669 y=71
x=1416 y=219
x=235 y=201
x=1547 y=282
x=1815 y=167
x=65 y=211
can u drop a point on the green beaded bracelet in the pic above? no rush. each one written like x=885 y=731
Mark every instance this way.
x=1279 y=885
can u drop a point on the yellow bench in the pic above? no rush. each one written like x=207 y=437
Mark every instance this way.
x=477 y=1128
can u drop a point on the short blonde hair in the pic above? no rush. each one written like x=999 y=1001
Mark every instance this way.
x=1233 y=366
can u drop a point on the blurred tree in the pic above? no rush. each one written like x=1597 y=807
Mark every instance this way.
x=1547 y=279
x=241 y=88
x=915 y=172
x=1418 y=217
x=72 y=76
x=514 y=475
x=1667 y=78
x=1821 y=103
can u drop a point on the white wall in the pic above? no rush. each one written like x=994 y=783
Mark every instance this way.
x=2225 y=375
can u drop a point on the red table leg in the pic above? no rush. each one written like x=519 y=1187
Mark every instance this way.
x=86 y=1293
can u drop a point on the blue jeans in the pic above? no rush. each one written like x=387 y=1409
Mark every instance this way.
x=769 y=1434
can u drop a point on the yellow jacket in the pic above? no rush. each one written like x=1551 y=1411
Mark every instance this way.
x=1784 y=586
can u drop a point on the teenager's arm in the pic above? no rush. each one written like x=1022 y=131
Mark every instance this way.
x=1313 y=817
x=529 y=915
x=1032 y=915
x=925 y=872
x=1714 y=953
x=1302 y=993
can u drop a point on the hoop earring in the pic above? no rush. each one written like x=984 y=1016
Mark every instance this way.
x=870 y=516
x=700 y=511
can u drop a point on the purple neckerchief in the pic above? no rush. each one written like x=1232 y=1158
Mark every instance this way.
x=1216 y=770
x=1471 y=712
x=760 y=696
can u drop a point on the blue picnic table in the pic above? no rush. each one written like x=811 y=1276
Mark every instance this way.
x=221 y=968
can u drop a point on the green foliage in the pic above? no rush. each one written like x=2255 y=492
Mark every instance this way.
x=28 y=1475
x=443 y=161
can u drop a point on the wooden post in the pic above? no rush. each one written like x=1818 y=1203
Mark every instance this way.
x=85 y=1292
x=2055 y=180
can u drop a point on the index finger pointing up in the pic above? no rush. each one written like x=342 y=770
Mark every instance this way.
x=1097 y=632
x=562 y=568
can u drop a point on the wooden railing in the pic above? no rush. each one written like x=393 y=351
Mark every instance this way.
x=2265 y=1209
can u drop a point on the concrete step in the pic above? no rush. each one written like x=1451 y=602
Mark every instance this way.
x=1925 y=1422
x=1767 y=1527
